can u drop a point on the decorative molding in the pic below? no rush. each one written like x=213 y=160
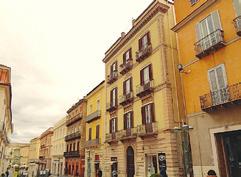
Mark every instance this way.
x=191 y=16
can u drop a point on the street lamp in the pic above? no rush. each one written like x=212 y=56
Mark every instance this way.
x=186 y=148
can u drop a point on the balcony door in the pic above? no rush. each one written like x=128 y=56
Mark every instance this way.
x=218 y=85
x=146 y=75
x=237 y=6
x=148 y=117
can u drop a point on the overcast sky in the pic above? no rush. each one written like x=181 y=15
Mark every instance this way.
x=55 y=49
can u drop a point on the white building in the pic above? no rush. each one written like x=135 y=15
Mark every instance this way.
x=58 y=147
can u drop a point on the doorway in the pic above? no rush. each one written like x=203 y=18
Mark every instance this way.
x=229 y=153
x=130 y=168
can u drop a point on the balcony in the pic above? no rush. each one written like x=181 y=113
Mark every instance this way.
x=110 y=107
x=92 y=143
x=237 y=24
x=128 y=134
x=74 y=119
x=147 y=130
x=126 y=99
x=93 y=116
x=112 y=138
x=112 y=77
x=72 y=136
x=209 y=44
x=125 y=67
x=145 y=89
x=143 y=53
x=71 y=154
x=221 y=98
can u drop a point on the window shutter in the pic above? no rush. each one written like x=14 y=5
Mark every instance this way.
x=116 y=128
x=90 y=131
x=212 y=80
x=97 y=131
x=116 y=99
x=150 y=72
x=237 y=6
x=131 y=89
x=152 y=112
x=116 y=69
x=111 y=126
x=124 y=88
x=148 y=38
x=221 y=77
x=111 y=97
x=199 y=31
x=132 y=119
x=142 y=76
x=125 y=122
x=130 y=52
x=143 y=115
x=216 y=20
x=124 y=58
x=140 y=44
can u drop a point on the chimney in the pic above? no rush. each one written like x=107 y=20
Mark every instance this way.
x=123 y=34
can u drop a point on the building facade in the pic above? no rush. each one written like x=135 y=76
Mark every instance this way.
x=45 y=150
x=142 y=109
x=58 y=147
x=24 y=155
x=6 y=126
x=209 y=48
x=33 y=162
x=94 y=146
x=75 y=140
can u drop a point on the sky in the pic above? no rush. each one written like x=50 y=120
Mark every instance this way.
x=55 y=50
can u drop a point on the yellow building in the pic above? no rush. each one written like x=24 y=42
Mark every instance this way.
x=33 y=157
x=209 y=49
x=58 y=147
x=24 y=155
x=6 y=126
x=94 y=146
x=142 y=109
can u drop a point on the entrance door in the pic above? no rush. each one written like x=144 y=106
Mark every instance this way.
x=231 y=148
x=130 y=169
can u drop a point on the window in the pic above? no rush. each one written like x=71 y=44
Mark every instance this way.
x=144 y=41
x=218 y=84
x=98 y=105
x=70 y=147
x=97 y=131
x=113 y=97
x=113 y=125
x=128 y=120
x=113 y=67
x=193 y=1
x=78 y=146
x=74 y=147
x=147 y=112
x=146 y=75
x=90 y=132
x=237 y=6
x=127 y=86
x=127 y=56
x=208 y=26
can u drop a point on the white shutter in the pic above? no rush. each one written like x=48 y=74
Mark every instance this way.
x=216 y=20
x=213 y=80
x=198 y=31
x=237 y=6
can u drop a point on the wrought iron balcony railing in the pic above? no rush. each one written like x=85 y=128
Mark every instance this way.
x=237 y=24
x=209 y=43
x=92 y=143
x=145 y=89
x=72 y=136
x=130 y=133
x=143 y=53
x=71 y=154
x=221 y=98
x=111 y=106
x=125 y=67
x=112 y=77
x=126 y=99
x=74 y=119
x=93 y=116
x=146 y=130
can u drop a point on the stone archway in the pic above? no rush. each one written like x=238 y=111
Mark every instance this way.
x=130 y=162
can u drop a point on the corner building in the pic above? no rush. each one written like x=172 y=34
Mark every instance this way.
x=209 y=48
x=75 y=140
x=141 y=98
x=94 y=146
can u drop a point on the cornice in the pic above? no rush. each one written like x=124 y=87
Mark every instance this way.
x=150 y=12
x=191 y=16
